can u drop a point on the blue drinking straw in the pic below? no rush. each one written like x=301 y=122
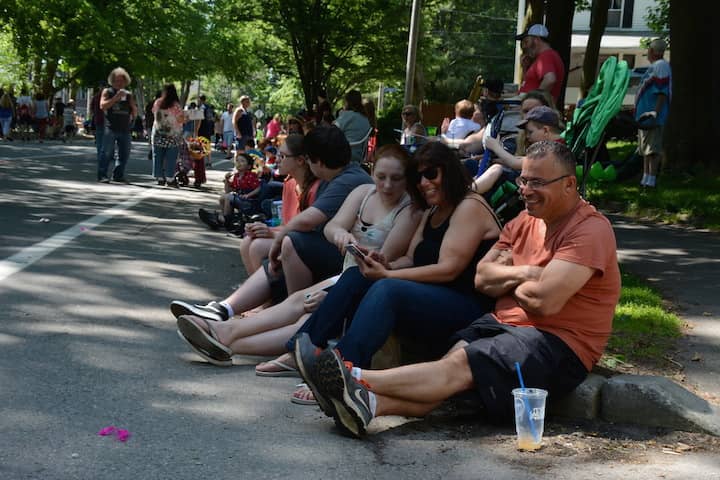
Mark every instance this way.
x=533 y=432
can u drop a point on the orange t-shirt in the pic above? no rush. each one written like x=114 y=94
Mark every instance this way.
x=291 y=200
x=586 y=238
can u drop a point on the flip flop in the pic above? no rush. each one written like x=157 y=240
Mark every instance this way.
x=299 y=396
x=204 y=344
x=285 y=370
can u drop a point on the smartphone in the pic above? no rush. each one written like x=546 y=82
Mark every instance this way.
x=353 y=250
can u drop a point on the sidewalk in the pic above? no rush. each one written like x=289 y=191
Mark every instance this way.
x=684 y=265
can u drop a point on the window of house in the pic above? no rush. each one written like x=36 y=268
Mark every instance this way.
x=615 y=14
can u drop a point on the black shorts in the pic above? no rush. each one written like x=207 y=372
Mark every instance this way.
x=320 y=256
x=545 y=360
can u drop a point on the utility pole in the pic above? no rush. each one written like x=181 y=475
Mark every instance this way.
x=412 y=50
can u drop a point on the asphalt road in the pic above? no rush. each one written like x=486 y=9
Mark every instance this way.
x=87 y=271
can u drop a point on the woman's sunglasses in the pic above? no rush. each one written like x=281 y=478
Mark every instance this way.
x=430 y=173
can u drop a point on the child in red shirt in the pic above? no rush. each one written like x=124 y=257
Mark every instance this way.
x=242 y=187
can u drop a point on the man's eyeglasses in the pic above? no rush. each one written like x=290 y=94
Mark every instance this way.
x=430 y=173
x=536 y=183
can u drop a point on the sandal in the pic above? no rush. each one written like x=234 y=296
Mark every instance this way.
x=282 y=369
x=303 y=395
x=203 y=343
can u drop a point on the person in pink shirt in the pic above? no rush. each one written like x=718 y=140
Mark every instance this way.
x=273 y=127
x=547 y=71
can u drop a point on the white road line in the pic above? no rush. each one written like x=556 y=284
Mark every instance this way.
x=32 y=254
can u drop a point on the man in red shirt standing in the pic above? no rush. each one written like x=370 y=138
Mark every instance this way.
x=547 y=72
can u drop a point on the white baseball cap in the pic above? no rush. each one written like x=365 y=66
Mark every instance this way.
x=536 y=30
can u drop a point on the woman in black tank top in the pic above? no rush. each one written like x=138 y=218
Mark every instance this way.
x=429 y=293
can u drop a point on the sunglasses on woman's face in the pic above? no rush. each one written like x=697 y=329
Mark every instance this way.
x=429 y=173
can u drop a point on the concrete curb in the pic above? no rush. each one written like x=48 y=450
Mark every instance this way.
x=641 y=400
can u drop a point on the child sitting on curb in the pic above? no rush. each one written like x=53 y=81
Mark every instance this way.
x=242 y=187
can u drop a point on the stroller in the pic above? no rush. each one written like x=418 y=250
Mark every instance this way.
x=585 y=133
x=192 y=157
x=503 y=196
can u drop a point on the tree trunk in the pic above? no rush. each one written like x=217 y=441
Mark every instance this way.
x=534 y=13
x=559 y=22
x=598 y=22
x=47 y=76
x=691 y=125
x=184 y=91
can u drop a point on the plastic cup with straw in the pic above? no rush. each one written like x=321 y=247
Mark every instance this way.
x=529 y=414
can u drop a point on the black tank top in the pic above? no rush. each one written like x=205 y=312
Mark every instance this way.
x=427 y=252
x=117 y=117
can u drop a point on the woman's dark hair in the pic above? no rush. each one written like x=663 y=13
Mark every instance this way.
x=456 y=179
x=168 y=97
x=327 y=144
x=295 y=144
x=353 y=101
x=369 y=107
x=410 y=165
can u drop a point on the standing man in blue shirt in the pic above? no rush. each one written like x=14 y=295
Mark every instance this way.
x=652 y=103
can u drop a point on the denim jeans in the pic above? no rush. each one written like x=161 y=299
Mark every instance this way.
x=164 y=161
x=6 y=122
x=420 y=311
x=99 y=134
x=123 y=140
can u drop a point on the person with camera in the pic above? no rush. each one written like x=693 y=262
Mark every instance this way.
x=120 y=110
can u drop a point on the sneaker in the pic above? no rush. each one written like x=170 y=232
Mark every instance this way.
x=209 y=219
x=104 y=180
x=173 y=183
x=211 y=311
x=350 y=398
x=306 y=356
x=161 y=182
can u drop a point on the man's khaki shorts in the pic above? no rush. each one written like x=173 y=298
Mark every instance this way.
x=650 y=141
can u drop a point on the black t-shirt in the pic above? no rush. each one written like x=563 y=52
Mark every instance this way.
x=117 y=117
x=245 y=124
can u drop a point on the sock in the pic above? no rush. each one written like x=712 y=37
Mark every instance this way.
x=643 y=182
x=356 y=373
x=231 y=312
x=373 y=403
x=651 y=180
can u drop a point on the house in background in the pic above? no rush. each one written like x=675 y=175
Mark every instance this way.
x=625 y=29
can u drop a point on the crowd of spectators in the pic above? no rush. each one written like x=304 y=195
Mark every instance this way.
x=347 y=244
x=416 y=251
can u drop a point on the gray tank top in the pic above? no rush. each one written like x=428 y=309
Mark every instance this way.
x=372 y=236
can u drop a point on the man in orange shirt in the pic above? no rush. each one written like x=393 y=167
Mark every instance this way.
x=554 y=273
